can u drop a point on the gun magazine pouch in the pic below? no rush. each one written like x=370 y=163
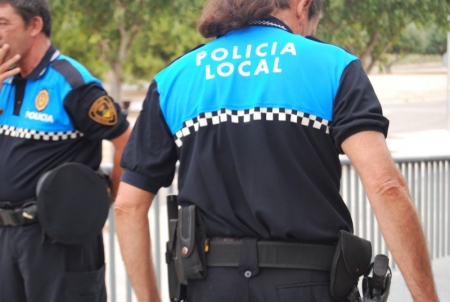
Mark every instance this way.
x=351 y=260
x=190 y=247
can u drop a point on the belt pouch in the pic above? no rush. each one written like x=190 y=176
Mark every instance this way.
x=351 y=260
x=190 y=250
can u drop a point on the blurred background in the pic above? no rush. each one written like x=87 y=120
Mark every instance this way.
x=129 y=41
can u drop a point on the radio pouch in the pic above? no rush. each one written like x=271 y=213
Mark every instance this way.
x=191 y=244
x=351 y=260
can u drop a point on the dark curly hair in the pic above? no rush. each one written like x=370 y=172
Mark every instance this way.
x=222 y=16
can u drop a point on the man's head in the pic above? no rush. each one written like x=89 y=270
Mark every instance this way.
x=25 y=26
x=29 y=9
x=222 y=16
x=315 y=8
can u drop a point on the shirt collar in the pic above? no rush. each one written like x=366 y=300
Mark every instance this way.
x=271 y=22
x=51 y=55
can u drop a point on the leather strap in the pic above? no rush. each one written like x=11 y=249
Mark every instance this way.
x=18 y=216
x=274 y=254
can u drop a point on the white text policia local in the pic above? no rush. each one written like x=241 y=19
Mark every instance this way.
x=248 y=67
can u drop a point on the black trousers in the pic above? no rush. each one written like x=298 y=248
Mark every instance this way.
x=269 y=285
x=32 y=270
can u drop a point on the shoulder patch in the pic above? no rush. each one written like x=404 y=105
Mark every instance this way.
x=103 y=111
x=41 y=100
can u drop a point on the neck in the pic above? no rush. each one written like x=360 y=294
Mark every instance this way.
x=287 y=17
x=31 y=59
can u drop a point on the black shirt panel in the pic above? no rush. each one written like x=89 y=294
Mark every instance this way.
x=152 y=164
x=356 y=107
x=265 y=188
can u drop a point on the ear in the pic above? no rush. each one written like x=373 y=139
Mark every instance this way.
x=302 y=10
x=35 y=26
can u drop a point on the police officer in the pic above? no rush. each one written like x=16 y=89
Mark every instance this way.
x=52 y=111
x=257 y=119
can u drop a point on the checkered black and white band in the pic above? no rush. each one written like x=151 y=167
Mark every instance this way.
x=245 y=116
x=39 y=135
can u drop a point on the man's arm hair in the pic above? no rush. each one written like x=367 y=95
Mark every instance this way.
x=132 y=225
x=389 y=197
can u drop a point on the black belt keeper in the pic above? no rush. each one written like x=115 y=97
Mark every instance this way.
x=18 y=216
x=272 y=254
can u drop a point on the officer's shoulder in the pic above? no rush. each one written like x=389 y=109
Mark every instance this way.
x=74 y=72
x=330 y=45
x=329 y=55
x=185 y=55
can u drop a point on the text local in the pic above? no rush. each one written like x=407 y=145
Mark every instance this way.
x=245 y=68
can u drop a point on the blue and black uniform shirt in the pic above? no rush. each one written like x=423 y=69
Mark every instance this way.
x=256 y=119
x=59 y=113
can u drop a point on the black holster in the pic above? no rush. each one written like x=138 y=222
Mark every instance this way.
x=185 y=250
x=176 y=289
x=190 y=260
x=351 y=260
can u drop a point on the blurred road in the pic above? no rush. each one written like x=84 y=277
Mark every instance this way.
x=418 y=116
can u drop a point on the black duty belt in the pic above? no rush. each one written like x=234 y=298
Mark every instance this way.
x=273 y=254
x=18 y=216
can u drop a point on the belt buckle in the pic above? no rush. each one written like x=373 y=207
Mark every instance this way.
x=29 y=211
x=7 y=218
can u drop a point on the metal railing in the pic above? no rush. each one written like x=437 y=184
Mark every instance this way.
x=428 y=179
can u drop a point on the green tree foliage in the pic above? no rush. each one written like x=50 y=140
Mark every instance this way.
x=71 y=39
x=436 y=41
x=134 y=39
x=173 y=36
x=369 y=28
x=105 y=31
x=428 y=40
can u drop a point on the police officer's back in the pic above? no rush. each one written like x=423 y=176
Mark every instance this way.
x=257 y=119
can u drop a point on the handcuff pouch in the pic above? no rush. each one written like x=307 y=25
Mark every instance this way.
x=351 y=260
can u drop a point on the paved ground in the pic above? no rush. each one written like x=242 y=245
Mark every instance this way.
x=426 y=83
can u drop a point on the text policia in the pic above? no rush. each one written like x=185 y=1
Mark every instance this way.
x=255 y=60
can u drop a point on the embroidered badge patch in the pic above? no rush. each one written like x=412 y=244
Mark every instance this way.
x=103 y=111
x=42 y=99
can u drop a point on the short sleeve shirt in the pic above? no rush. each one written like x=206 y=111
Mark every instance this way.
x=59 y=113
x=256 y=119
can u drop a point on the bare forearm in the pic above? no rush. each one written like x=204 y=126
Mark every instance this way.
x=402 y=231
x=396 y=215
x=134 y=239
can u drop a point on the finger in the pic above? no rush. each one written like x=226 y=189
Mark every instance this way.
x=9 y=73
x=3 y=52
x=9 y=63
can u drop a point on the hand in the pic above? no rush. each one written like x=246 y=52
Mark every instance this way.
x=5 y=66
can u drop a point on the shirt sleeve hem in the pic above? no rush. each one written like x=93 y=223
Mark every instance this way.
x=123 y=127
x=358 y=130
x=140 y=181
